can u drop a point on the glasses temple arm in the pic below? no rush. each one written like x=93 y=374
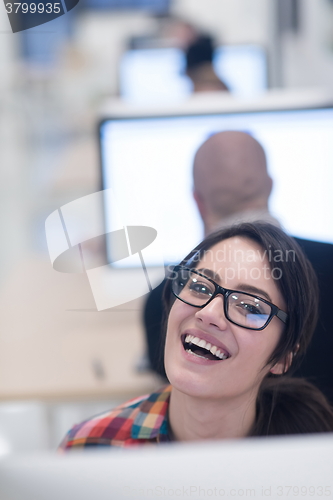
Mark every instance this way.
x=282 y=316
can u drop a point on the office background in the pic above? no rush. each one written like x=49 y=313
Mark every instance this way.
x=59 y=360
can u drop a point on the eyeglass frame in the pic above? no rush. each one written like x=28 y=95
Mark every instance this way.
x=226 y=292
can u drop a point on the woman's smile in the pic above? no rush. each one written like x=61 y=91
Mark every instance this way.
x=196 y=344
x=200 y=347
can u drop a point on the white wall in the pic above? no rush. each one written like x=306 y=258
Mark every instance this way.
x=234 y=21
x=308 y=57
x=102 y=37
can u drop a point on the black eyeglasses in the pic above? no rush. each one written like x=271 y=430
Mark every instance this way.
x=242 y=309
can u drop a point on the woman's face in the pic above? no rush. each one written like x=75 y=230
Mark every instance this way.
x=238 y=264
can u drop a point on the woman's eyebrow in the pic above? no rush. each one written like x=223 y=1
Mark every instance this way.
x=210 y=274
x=243 y=287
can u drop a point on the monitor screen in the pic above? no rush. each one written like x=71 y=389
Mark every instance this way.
x=148 y=164
x=158 y=74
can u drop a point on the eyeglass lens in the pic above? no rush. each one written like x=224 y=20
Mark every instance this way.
x=241 y=308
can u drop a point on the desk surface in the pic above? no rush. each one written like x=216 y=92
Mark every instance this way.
x=54 y=344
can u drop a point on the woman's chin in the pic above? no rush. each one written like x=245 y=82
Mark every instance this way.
x=189 y=383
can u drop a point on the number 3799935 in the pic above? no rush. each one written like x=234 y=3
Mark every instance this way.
x=33 y=8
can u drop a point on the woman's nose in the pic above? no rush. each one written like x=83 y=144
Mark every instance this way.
x=213 y=313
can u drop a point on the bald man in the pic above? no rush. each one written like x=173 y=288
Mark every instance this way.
x=231 y=185
x=231 y=182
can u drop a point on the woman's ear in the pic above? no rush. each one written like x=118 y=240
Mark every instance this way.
x=283 y=366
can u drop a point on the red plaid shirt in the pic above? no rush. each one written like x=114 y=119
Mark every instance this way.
x=139 y=421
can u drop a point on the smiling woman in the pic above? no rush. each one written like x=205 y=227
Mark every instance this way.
x=258 y=313
x=237 y=320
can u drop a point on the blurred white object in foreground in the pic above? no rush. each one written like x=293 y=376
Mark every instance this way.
x=274 y=467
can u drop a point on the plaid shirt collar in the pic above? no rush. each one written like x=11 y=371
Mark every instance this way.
x=151 y=422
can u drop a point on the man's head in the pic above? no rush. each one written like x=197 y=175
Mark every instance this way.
x=230 y=176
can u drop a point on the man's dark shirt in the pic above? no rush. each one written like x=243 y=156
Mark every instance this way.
x=317 y=365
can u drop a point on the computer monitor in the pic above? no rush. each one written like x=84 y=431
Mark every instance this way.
x=158 y=74
x=148 y=163
x=280 y=467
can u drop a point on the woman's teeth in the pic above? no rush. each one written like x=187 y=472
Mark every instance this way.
x=198 y=355
x=191 y=339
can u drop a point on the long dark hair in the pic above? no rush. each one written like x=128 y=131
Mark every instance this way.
x=284 y=405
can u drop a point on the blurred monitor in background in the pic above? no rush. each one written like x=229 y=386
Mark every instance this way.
x=159 y=74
